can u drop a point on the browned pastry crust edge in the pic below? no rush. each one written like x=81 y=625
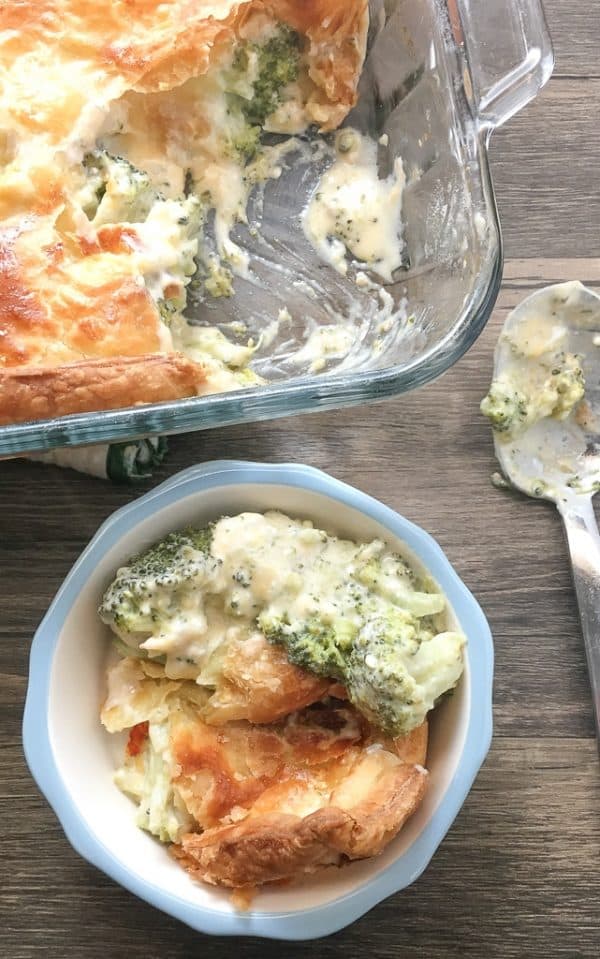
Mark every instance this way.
x=276 y=847
x=30 y=393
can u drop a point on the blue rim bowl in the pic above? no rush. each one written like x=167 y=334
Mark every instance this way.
x=273 y=486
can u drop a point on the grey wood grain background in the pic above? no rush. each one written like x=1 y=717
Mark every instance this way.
x=519 y=873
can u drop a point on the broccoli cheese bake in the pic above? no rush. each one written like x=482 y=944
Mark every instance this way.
x=275 y=681
x=126 y=127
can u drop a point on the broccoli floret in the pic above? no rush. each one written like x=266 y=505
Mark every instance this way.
x=164 y=560
x=255 y=83
x=278 y=62
x=505 y=408
x=379 y=663
x=569 y=384
x=245 y=145
x=115 y=191
x=147 y=589
x=367 y=661
x=378 y=681
x=371 y=659
x=313 y=645
x=384 y=694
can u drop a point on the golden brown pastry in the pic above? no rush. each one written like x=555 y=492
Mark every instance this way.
x=258 y=683
x=298 y=795
x=247 y=802
x=30 y=393
x=357 y=820
x=84 y=278
x=253 y=681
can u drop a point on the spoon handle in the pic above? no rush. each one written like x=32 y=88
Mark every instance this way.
x=584 y=546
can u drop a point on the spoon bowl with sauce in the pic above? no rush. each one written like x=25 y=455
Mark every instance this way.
x=544 y=407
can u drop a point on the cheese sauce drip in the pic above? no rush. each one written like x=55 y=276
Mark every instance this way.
x=353 y=211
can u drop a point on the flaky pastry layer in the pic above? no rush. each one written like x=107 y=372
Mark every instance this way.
x=28 y=393
x=315 y=791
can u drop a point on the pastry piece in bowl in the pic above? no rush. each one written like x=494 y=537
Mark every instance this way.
x=319 y=812
x=250 y=803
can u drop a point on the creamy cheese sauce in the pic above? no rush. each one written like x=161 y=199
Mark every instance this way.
x=266 y=573
x=165 y=257
x=325 y=342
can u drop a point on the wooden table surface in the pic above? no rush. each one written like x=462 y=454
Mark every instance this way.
x=519 y=873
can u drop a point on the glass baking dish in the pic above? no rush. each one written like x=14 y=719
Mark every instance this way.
x=439 y=76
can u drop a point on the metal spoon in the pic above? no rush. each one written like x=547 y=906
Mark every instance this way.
x=555 y=459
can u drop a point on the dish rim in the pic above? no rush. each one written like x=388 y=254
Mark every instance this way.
x=315 y=921
x=302 y=394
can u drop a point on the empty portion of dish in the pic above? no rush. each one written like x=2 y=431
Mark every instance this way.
x=276 y=682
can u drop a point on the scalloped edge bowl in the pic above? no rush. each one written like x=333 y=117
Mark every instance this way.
x=71 y=757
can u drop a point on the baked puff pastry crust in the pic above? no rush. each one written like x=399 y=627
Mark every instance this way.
x=279 y=802
x=261 y=801
x=83 y=290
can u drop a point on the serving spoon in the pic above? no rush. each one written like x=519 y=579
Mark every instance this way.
x=559 y=459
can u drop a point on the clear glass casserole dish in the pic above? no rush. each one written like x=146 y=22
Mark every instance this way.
x=439 y=76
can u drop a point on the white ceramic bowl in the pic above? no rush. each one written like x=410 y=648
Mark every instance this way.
x=72 y=758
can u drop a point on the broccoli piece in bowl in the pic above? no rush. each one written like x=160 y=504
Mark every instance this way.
x=148 y=590
x=313 y=645
x=368 y=660
x=382 y=656
x=379 y=681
